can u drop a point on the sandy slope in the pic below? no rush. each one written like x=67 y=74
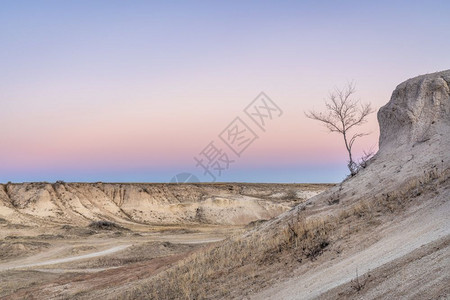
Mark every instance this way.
x=425 y=225
x=422 y=274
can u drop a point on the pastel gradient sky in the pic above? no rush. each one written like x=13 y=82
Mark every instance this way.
x=133 y=90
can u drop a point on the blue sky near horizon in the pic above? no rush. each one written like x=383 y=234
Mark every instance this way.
x=132 y=91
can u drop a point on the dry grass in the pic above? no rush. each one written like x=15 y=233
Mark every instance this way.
x=200 y=276
x=229 y=268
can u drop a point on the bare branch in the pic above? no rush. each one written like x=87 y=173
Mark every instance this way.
x=344 y=113
x=354 y=137
x=326 y=119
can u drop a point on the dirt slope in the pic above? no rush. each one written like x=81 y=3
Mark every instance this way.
x=422 y=226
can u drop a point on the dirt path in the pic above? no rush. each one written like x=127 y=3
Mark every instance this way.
x=68 y=259
x=59 y=252
x=418 y=229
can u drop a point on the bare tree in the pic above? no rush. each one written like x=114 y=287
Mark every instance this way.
x=343 y=113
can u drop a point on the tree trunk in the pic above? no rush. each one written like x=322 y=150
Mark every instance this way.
x=351 y=163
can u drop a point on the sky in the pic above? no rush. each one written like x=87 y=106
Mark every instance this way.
x=133 y=91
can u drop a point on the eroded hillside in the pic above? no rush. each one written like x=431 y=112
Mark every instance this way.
x=82 y=203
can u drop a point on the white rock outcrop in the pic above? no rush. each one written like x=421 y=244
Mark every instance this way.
x=418 y=110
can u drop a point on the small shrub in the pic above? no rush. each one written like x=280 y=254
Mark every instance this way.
x=364 y=161
x=359 y=282
x=104 y=225
x=290 y=195
x=335 y=198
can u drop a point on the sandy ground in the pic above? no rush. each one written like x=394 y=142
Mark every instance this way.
x=109 y=256
x=37 y=259
x=112 y=250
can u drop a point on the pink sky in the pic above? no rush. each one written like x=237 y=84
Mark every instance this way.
x=105 y=91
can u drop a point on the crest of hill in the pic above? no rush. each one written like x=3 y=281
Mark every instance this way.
x=414 y=140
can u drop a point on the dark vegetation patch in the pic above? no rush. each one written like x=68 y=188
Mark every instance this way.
x=255 y=223
x=105 y=225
